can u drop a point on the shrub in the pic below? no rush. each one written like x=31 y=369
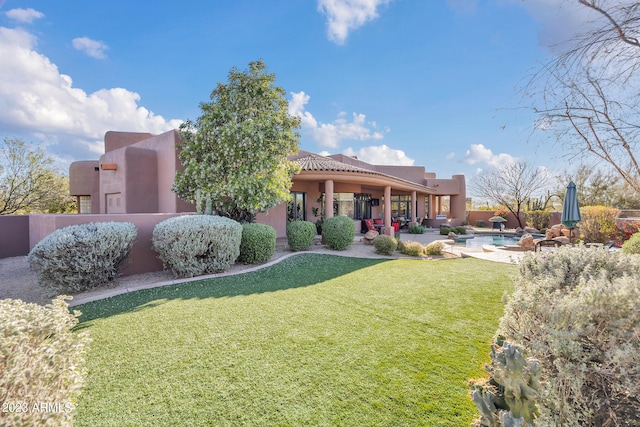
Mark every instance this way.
x=480 y=223
x=576 y=311
x=41 y=360
x=192 y=245
x=598 y=223
x=385 y=245
x=501 y=213
x=258 y=243
x=632 y=246
x=445 y=231
x=81 y=257
x=434 y=248
x=624 y=231
x=538 y=219
x=338 y=232
x=411 y=248
x=301 y=235
x=417 y=229
x=459 y=230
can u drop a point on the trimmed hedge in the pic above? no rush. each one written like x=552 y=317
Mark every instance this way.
x=385 y=245
x=338 y=232
x=41 y=360
x=301 y=235
x=81 y=257
x=258 y=243
x=193 y=245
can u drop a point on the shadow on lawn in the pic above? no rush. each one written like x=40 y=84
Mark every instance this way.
x=294 y=272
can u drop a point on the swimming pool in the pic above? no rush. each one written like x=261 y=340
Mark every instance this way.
x=499 y=240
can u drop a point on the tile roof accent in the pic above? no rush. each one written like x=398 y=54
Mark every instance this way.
x=316 y=162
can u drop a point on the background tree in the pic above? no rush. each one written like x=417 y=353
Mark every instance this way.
x=590 y=94
x=597 y=188
x=236 y=152
x=511 y=185
x=29 y=182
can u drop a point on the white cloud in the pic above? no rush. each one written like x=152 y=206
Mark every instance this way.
x=478 y=153
x=330 y=134
x=381 y=155
x=450 y=156
x=25 y=16
x=36 y=100
x=346 y=15
x=93 y=48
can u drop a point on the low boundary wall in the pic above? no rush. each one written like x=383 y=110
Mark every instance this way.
x=14 y=235
x=142 y=258
x=512 y=222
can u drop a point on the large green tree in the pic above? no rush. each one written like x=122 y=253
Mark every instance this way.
x=236 y=152
x=29 y=181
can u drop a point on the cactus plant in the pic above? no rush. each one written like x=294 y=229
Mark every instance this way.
x=508 y=398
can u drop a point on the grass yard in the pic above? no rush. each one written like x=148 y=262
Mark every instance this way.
x=314 y=340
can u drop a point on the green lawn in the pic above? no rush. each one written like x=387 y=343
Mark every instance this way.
x=314 y=340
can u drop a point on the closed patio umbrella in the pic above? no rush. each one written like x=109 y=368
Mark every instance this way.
x=570 y=210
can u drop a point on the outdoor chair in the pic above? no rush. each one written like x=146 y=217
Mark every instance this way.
x=547 y=243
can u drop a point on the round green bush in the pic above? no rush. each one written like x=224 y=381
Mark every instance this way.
x=301 y=235
x=81 y=257
x=193 y=245
x=632 y=246
x=417 y=229
x=445 y=231
x=338 y=232
x=258 y=243
x=385 y=245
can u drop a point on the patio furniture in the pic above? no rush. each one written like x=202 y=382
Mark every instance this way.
x=547 y=243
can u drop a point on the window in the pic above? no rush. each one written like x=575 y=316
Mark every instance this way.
x=296 y=207
x=401 y=206
x=84 y=204
x=362 y=206
x=343 y=204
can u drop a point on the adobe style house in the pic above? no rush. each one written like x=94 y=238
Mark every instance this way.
x=136 y=173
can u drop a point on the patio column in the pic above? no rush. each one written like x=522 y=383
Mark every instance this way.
x=430 y=213
x=414 y=214
x=387 y=229
x=328 y=198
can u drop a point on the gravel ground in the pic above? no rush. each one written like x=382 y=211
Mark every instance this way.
x=17 y=281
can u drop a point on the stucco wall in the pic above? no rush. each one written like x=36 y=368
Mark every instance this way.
x=114 y=140
x=14 y=230
x=84 y=180
x=142 y=258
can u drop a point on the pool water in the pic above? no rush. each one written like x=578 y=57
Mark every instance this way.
x=479 y=241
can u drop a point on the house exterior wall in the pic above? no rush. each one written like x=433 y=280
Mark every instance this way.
x=84 y=180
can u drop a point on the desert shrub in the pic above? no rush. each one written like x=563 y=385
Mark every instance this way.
x=624 y=231
x=632 y=246
x=301 y=235
x=338 y=232
x=411 y=248
x=538 y=219
x=480 y=223
x=397 y=236
x=417 y=229
x=81 y=257
x=576 y=311
x=445 y=231
x=598 y=223
x=41 y=361
x=258 y=243
x=385 y=245
x=192 y=245
x=459 y=230
x=434 y=248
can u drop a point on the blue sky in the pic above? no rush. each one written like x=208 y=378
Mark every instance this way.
x=431 y=83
